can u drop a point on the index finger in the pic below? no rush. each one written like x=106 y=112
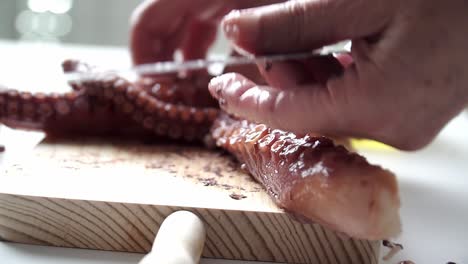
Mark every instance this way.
x=160 y=27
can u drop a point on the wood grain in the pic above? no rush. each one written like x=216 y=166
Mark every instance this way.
x=115 y=195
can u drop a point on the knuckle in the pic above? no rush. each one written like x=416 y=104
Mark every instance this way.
x=282 y=115
x=289 y=19
x=269 y=104
x=298 y=20
x=275 y=101
x=264 y=41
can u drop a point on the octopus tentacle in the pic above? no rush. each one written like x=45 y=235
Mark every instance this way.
x=107 y=105
x=312 y=178
x=164 y=119
x=189 y=91
x=61 y=114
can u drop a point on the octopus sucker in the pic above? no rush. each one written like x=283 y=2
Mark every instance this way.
x=171 y=111
x=140 y=100
x=80 y=104
x=29 y=111
x=44 y=110
x=119 y=99
x=185 y=114
x=62 y=107
x=13 y=108
x=161 y=128
x=137 y=116
x=2 y=105
x=126 y=107
x=310 y=176
x=175 y=131
x=108 y=93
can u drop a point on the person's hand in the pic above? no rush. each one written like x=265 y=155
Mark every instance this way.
x=161 y=27
x=406 y=78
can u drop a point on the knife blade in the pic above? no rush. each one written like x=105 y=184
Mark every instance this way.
x=166 y=67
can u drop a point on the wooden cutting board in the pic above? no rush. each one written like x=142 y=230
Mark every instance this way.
x=113 y=195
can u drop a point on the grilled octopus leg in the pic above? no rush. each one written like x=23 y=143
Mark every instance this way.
x=314 y=179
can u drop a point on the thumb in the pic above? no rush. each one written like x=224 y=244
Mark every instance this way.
x=304 y=25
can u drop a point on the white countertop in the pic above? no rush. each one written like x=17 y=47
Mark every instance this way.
x=433 y=182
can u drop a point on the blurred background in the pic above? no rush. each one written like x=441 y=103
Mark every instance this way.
x=37 y=35
x=103 y=22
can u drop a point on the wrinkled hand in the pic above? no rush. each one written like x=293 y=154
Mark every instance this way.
x=406 y=77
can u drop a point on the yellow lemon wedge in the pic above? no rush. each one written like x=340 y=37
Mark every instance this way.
x=365 y=144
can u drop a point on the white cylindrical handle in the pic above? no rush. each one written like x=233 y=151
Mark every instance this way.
x=180 y=240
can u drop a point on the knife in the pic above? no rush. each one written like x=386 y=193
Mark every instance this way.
x=166 y=67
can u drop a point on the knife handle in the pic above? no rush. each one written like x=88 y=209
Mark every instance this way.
x=180 y=240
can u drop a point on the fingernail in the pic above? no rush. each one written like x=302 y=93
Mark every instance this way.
x=230 y=28
x=231 y=31
x=242 y=28
x=241 y=51
x=215 y=87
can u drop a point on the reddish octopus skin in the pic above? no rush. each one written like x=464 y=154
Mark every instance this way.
x=190 y=91
x=164 y=119
x=61 y=114
x=105 y=105
x=180 y=91
x=308 y=176
x=312 y=178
